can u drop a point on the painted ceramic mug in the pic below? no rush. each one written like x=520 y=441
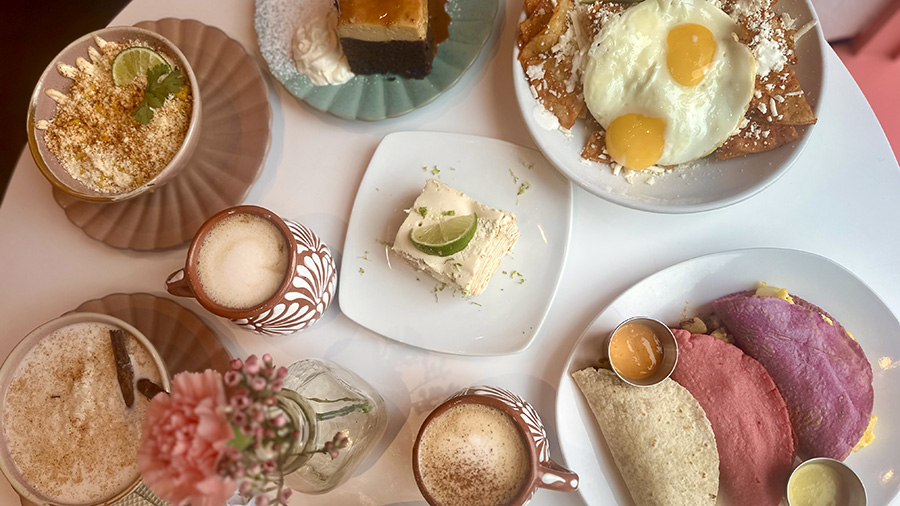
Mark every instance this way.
x=300 y=298
x=509 y=472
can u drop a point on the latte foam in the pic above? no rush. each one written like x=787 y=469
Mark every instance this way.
x=65 y=422
x=243 y=261
x=473 y=455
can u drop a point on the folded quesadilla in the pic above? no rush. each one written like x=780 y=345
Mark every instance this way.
x=748 y=415
x=819 y=368
x=659 y=436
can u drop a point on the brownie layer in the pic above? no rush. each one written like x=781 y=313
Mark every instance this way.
x=409 y=59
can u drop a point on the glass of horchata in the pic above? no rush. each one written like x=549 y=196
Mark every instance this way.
x=72 y=411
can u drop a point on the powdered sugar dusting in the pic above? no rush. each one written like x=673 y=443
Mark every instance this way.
x=277 y=22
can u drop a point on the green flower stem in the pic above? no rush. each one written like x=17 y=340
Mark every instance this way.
x=346 y=410
x=342 y=399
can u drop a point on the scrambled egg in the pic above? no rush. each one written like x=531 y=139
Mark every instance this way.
x=868 y=436
x=772 y=291
x=781 y=293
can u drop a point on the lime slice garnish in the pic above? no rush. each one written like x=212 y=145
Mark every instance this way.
x=133 y=62
x=445 y=238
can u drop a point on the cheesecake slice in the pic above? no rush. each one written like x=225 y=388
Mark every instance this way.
x=471 y=269
x=386 y=37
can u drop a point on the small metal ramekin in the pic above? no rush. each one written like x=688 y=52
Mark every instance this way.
x=669 y=346
x=856 y=491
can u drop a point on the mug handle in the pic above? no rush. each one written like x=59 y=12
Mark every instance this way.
x=177 y=284
x=556 y=477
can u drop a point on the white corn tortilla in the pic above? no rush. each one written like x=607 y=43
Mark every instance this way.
x=659 y=436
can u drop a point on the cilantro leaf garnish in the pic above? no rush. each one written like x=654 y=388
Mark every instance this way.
x=143 y=114
x=157 y=91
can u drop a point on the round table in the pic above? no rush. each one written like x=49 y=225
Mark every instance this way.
x=839 y=201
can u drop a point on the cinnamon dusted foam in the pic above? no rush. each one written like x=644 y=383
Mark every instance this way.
x=473 y=455
x=65 y=422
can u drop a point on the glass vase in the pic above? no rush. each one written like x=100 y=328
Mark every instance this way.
x=322 y=399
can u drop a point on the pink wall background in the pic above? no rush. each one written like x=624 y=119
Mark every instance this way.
x=872 y=56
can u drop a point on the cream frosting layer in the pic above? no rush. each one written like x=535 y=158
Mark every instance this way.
x=471 y=269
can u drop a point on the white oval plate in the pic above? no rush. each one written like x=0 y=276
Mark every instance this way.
x=388 y=296
x=686 y=289
x=711 y=184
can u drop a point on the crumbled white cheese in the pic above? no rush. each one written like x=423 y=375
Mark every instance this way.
x=769 y=56
x=544 y=118
x=535 y=72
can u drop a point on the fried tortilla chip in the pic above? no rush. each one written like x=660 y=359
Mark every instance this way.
x=533 y=5
x=595 y=148
x=534 y=23
x=557 y=91
x=780 y=100
x=756 y=137
x=549 y=36
x=660 y=438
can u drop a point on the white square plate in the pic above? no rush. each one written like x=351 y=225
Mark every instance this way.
x=380 y=291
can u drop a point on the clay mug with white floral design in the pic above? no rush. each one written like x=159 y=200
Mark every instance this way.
x=264 y=273
x=485 y=444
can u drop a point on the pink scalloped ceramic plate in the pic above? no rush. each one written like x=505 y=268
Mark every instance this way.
x=183 y=340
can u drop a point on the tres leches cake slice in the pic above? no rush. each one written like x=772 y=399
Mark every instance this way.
x=386 y=36
x=480 y=236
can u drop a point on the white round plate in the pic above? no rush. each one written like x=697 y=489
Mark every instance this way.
x=686 y=289
x=711 y=183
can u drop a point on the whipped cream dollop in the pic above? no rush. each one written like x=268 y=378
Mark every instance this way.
x=316 y=48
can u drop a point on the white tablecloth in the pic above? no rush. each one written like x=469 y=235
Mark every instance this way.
x=840 y=201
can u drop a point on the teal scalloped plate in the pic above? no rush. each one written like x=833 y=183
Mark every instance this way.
x=374 y=97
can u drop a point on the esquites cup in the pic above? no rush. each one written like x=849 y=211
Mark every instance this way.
x=43 y=107
x=541 y=471
x=8 y=373
x=300 y=300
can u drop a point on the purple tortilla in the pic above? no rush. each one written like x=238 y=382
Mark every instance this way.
x=821 y=372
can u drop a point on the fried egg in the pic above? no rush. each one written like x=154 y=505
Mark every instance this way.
x=669 y=81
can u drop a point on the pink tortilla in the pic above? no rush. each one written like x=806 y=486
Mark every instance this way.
x=748 y=416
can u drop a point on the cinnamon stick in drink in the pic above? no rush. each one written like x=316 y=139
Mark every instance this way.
x=124 y=369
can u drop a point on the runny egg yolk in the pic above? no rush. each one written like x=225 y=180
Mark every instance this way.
x=635 y=141
x=691 y=48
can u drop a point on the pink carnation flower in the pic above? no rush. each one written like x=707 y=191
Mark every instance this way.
x=184 y=435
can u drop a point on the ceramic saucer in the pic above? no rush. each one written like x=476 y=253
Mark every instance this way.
x=183 y=340
x=234 y=138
